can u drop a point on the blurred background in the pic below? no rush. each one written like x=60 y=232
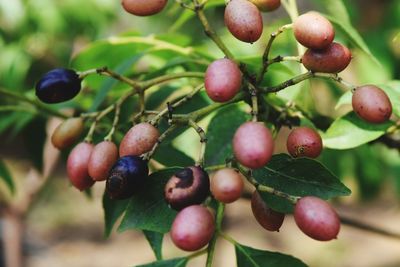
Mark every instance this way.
x=60 y=226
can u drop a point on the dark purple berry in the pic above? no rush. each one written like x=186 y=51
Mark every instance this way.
x=126 y=177
x=58 y=85
x=187 y=187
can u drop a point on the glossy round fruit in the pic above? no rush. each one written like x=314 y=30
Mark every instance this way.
x=126 y=177
x=58 y=85
x=304 y=142
x=67 y=133
x=243 y=20
x=313 y=31
x=77 y=166
x=223 y=80
x=187 y=187
x=372 y=104
x=227 y=185
x=332 y=59
x=316 y=218
x=103 y=157
x=139 y=139
x=192 y=228
x=143 y=7
x=253 y=145
x=268 y=218
x=267 y=5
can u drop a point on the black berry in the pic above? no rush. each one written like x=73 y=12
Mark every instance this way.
x=126 y=177
x=187 y=187
x=58 y=85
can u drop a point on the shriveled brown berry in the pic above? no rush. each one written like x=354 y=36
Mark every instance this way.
x=187 y=187
x=77 y=166
x=222 y=80
x=227 y=185
x=372 y=104
x=103 y=157
x=143 y=7
x=268 y=218
x=138 y=140
x=267 y=5
x=332 y=59
x=316 y=218
x=313 y=31
x=253 y=145
x=67 y=133
x=243 y=20
x=304 y=142
x=193 y=228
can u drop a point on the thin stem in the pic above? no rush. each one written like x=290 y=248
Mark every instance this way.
x=99 y=116
x=215 y=167
x=114 y=125
x=287 y=83
x=210 y=31
x=268 y=49
x=164 y=135
x=366 y=227
x=168 y=77
x=227 y=238
x=305 y=76
x=278 y=59
x=38 y=105
x=263 y=188
x=170 y=107
x=213 y=242
x=182 y=4
x=196 y=254
x=196 y=115
x=254 y=102
x=337 y=79
x=17 y=108
x=203 y=140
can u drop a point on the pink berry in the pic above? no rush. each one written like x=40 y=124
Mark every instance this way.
x=304 y=142
x=253 y=145
x=372 y=104
x=193 y=228
x=316 y=218
x=77 y=166
x=223 y=80
x=138 y=140
x=103 y=157
x=227 y=185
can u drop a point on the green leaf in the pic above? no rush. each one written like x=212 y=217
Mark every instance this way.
x=188 y=14
x=34 y=136
x=148 y=210
x=220 y=132
x=155 y=240
x=109 y=83
x=297 y=177
x=178 y=262
x=168 y=155
x=251 y=257
x=5 y=175
x=350 y=131
x=113 y=209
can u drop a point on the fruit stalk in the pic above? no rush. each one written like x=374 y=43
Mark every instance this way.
x=213 y=242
